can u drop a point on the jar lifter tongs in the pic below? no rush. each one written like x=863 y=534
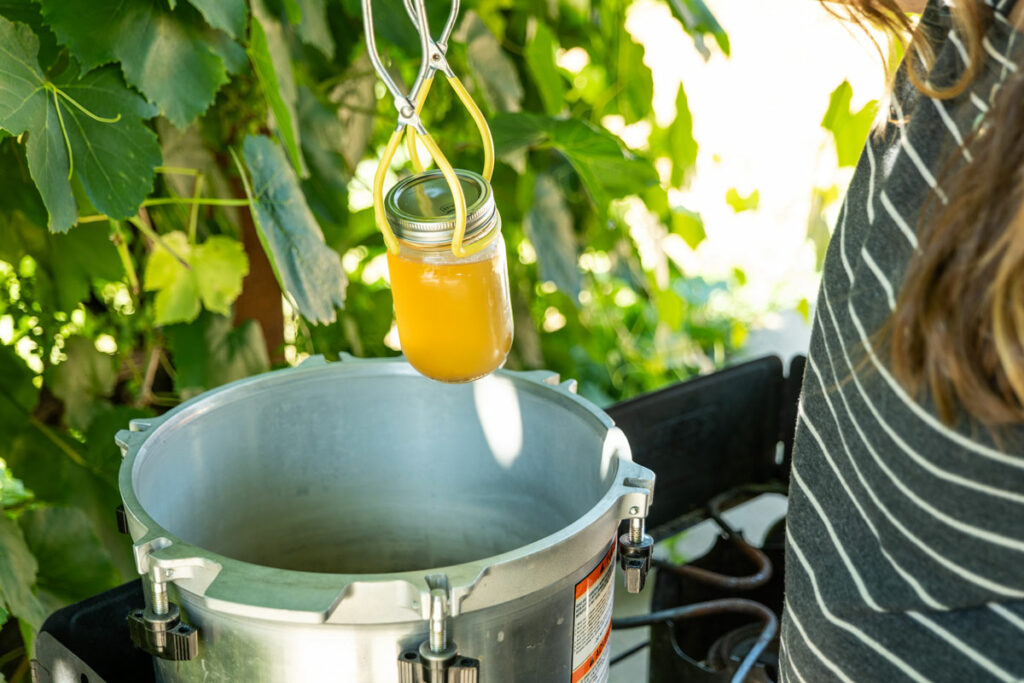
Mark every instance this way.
x=409 y=106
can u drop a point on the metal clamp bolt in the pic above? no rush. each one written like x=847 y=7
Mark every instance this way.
x=635 y=551
x=158 y=628
x=437 y=660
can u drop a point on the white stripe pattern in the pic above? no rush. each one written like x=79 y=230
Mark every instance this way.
x=847 y=626
x=1016 y=462
x=1007 y=614
x=992 y=537
x=979 y=103
x=964 y=57
x=914 y=584
x=998 y=56
x=918 y=589
x=951 y=125
x=871 y=183
x=811 y=646
x=894 y=214
x=914 y=157
x=972 y=654
x=842 y=243
x=858 y=581
x=882 y=279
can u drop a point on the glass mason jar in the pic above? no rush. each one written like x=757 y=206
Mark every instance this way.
x=453 y=313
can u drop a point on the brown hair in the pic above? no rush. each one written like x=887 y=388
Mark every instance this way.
x=958 y=328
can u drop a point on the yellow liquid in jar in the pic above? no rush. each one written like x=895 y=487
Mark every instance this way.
x=454 y=319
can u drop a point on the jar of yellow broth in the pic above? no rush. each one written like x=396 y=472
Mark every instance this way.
x=453 y=313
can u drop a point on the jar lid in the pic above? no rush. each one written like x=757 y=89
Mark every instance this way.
x=420 y=208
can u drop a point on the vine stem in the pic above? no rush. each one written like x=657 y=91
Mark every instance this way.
x=177 y=170
x=52 y=437
x=57 y=94
x=193 y=213
x=146 y=395
x=64 y=132
x=126 y=258
x=162 y=201
x=151 y=234
x=94 y=218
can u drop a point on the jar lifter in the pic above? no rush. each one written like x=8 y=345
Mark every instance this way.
x=433 y=59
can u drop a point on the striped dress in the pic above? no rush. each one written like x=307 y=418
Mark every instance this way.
x=905 y=538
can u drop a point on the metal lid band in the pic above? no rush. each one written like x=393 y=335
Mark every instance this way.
x=420 y=208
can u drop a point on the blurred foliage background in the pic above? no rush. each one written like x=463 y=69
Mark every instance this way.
x=184 y=201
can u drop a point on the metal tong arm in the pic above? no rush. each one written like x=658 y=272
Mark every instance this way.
x=438 y=62
x=409 y=106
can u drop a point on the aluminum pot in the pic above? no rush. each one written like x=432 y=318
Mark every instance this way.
x=356 y=522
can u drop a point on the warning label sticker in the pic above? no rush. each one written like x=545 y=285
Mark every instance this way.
x=592 y=622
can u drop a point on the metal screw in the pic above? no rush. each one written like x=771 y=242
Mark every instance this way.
x=438 y=620
x=158 y=593
x=633 y=510
x=636 y=530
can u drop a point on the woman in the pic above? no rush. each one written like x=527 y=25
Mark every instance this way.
x=905 y=557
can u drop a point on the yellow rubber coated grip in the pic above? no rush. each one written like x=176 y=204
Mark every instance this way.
x=456 y=189
x=410 y=136
x=378 y=192
x=481 y=125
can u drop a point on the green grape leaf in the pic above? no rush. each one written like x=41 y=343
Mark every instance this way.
x=219 y=264
x=849 y=129
x=739 y=203
x=95 y=115
x=12 y=492
x=803 y=307
x=515 y=132
x=82 y=381
x=293 y=10
x=212 y=278
x=818 y=231
x=18 y=395
x=47 y=156
x=549 y=225
x=606 y=168
x=688 y=225
x=494 y=72
x=100 y=450
x=272 y=63
x=540 y=60
x=177 y=298
x=26 y=106
x=306 y=268
x=56 y=478
x=165 y=54
x=73 y=564
x=326 y=188
x=97 y=147
x=212 y=351
x=637 y=94
x=27 y=12
x=227 y=15
x=698 y=21
x=18 y=569
x=681 y=144
x=671 y=308
x=76 y=259
x=313 y=27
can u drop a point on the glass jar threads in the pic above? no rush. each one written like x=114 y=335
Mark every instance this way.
x=453 y=313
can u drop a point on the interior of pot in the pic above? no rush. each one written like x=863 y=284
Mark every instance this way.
x=372 y=469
